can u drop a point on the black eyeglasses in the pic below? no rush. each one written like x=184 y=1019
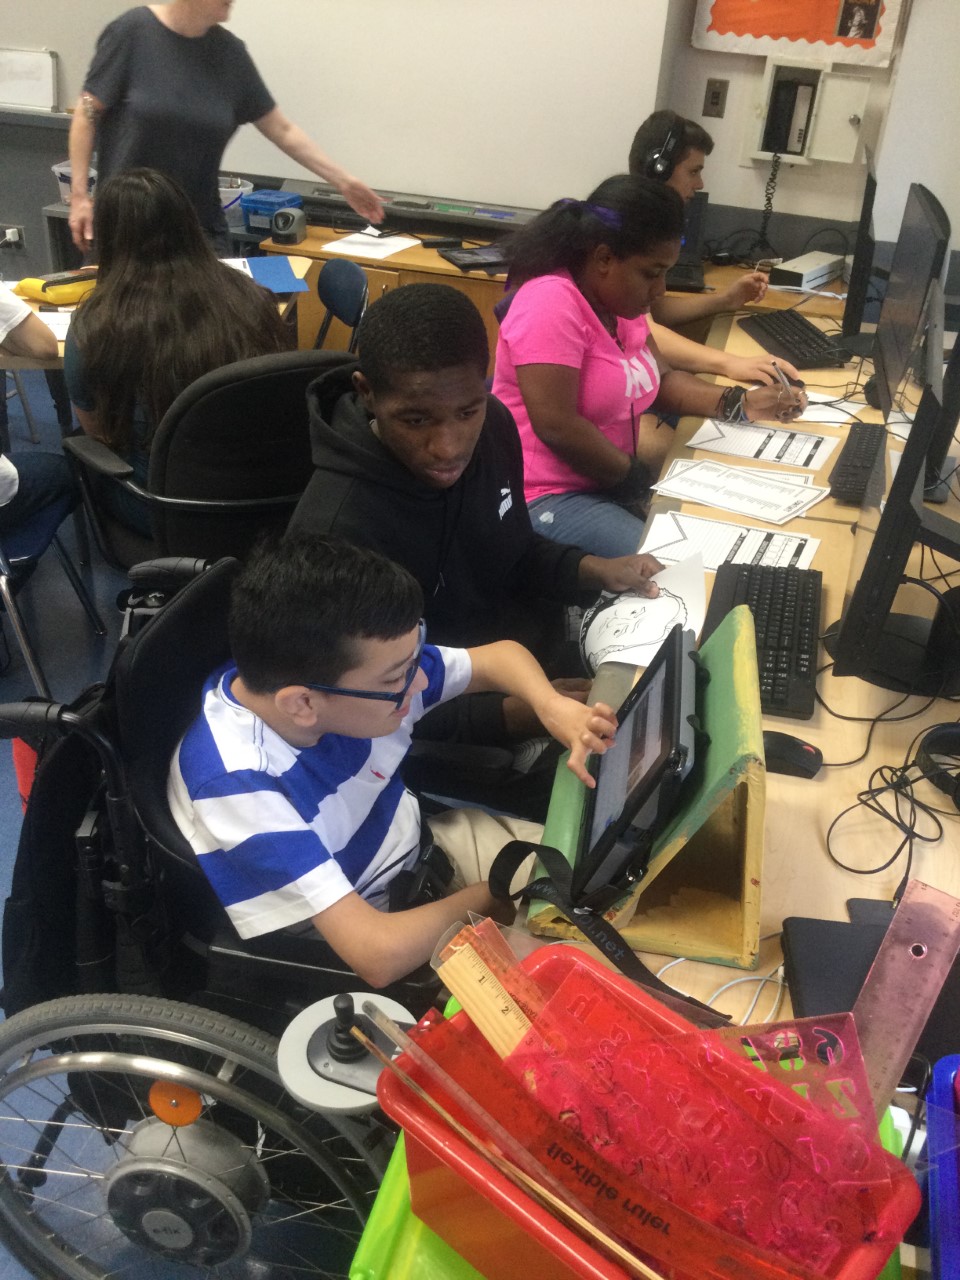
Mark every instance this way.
x=396 y=698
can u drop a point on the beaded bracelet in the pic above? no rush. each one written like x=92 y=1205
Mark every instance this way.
x=730 y=407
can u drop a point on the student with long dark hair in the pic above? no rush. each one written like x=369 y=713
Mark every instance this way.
x=164 y=312
x=577 y=366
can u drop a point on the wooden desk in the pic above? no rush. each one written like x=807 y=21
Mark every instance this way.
x=811 y=304
x=410 y=266
x=799 y=878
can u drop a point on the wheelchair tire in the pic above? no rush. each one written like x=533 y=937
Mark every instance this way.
x=153 y=1139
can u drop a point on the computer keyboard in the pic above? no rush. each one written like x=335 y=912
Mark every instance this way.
x=850 y=477
x=785 y=604
x=791 y=336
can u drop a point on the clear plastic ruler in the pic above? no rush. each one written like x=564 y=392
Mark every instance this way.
x=917 y=952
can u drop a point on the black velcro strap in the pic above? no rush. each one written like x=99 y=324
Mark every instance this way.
x=555 y=888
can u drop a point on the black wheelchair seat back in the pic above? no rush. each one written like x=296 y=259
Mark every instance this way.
x=175 y=936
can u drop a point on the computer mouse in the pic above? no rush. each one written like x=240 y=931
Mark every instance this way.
x=786 y=754
x=870 y=393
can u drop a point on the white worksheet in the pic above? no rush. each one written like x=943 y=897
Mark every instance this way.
x=742 y=490
x=58 y=321
x=765 y=444
x=679 y=465
x=362 y=245
x=636 y=629
x=829 y=410
x=674 y=535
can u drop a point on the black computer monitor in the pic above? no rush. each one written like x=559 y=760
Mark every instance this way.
x=939 y=467
x=916 y=648
x=862 y=267
x=917 y=260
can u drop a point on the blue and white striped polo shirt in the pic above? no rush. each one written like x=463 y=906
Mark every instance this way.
x=283 y=832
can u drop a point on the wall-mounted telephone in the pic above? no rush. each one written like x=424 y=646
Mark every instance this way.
x=788 y=116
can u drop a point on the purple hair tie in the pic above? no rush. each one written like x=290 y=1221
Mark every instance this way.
x=609 y=217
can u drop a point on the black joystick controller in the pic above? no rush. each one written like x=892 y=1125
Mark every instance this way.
x=341 y=1045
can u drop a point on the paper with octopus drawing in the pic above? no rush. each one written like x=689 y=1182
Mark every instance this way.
x=637 y=627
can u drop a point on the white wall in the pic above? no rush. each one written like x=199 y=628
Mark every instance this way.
x=829 y=191
x=520 y=101
x=919 y=141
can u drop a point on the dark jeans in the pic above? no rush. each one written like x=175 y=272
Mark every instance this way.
x=44 y=478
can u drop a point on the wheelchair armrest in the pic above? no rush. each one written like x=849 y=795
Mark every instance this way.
x=20 y=718
x=98 y=457
x=167 y=573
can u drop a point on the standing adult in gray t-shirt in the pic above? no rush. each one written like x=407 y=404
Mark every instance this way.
x=167 y=89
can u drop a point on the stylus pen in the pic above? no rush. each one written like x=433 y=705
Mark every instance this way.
x=784 y=381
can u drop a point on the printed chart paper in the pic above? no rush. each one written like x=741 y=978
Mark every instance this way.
x=674 y=535
x=743 y=491
x=765 y=444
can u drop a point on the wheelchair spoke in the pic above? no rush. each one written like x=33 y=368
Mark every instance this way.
x=96 y=1184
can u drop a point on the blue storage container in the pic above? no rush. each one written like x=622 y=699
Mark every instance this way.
x=943 y=1131
x=260 y=206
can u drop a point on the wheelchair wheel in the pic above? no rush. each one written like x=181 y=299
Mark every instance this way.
x=145 y=1138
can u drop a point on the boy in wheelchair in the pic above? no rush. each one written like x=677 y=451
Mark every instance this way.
x=286 y=785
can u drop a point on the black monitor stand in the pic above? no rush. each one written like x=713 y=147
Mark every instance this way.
x=915 y=655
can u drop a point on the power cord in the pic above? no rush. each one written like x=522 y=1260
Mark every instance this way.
x=890 y=796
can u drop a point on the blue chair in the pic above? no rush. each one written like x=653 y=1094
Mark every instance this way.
x=20 y=549
x=342 y=288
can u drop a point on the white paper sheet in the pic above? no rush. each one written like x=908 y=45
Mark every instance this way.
x=742 y=490
x=360 y=245
x=765 y=444
x=828 y=410
x=674 y=535
x=636 y=630
x=679 y=465
x=58 y=321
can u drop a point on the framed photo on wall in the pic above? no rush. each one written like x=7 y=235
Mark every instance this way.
x=860 y=31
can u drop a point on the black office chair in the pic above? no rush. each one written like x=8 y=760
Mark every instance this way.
x=228 y=461
x=342 y=288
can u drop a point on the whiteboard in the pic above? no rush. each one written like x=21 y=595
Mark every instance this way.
x=28 y=78
x=509 y=101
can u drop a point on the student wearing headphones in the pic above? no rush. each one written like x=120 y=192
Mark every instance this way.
x=672 y=150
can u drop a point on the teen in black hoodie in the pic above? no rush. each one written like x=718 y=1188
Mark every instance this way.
x=415 y=460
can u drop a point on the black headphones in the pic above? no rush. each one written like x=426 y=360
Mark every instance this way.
x=660 y=163
x=942 y=741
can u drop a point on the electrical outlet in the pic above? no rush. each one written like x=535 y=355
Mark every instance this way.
x=715 y=98
x=11 y=236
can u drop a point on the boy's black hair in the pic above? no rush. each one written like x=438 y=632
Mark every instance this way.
x=299 y=605
x=652 y=134
x=421 y=327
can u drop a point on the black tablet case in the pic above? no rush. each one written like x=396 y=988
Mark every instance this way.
x=827 y=961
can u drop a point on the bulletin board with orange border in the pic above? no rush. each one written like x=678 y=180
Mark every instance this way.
x=860 y=31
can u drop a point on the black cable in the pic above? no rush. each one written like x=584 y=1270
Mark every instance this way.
x=768 y=193
x=884 y=717
x=919 y=1110
x=828 y=231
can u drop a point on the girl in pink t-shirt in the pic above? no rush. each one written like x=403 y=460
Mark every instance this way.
x=577 y=365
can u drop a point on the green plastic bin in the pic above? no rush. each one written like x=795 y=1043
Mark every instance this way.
x=396 y=1245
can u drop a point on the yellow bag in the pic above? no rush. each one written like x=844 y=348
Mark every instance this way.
x=61 y=289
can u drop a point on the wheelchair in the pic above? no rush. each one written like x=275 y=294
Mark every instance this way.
x=144 y=1128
